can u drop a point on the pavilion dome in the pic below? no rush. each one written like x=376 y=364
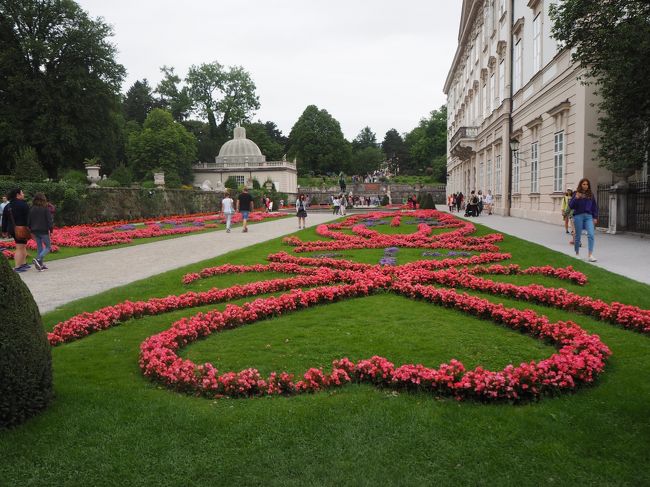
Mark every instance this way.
x=240 y=149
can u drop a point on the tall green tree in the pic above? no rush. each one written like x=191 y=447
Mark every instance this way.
x=611 y=39
x=173 y=97
x=365 y=139
x=317 y=141
x=162 y=143
x=394 y=149
x=258 y=133
x=139 y=101
x=59 y=83
x=225 y=96
x=426 y=144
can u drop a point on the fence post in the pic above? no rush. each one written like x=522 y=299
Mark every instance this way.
x=611 y=228
x=618 y=207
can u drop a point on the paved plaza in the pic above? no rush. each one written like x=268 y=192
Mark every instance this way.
x=86 y=275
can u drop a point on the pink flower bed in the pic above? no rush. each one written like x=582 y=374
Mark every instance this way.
x=579 y=359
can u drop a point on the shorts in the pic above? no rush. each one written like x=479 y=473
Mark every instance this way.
x=18 y=240
x=301 y=214
x=244 y=214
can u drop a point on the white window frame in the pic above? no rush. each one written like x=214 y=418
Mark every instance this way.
x=517 y=59
x=515 y=171
x=240 y=180
x=497 y=174
x=537 y=43
x=558 y=161
x=479 y=184
x=534 y=167
x=495 y=92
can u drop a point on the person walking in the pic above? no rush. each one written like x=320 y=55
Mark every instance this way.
x=585 y=216
x=459 y=201
x=227 y=208
x=14 y=224
x=41 y=224
x=489 y=201
x=4 y=203
x=301 y=210
x=244 y=206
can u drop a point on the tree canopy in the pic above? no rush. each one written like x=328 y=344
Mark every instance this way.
x=317 y=142
x=162 y=143
x=139 y=101
x=60 y=83
x=395 y=150
x=611 y=39
x=173 y=97
x=223 y=95
x=427 y=146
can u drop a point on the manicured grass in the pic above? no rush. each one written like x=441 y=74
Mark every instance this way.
x=110 y=426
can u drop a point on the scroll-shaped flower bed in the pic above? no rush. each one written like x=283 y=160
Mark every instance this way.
x=580 y=356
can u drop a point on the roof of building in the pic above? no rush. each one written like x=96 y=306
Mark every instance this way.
x=239 y=146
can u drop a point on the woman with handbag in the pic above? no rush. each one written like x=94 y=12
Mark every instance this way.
x=301 y=210
x=14 y=223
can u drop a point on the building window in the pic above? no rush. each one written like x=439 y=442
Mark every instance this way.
x=495 y=92
x=479 y=184
x=534 y=167
x=537 y=43
x=502 y=80
x=515 y=171
x=488 y=175
x=497 y=174
x=558 y=162
x=516 y=79
x=240 y=180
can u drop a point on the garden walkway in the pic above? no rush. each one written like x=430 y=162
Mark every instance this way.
x=85 y=275
x=624 y=254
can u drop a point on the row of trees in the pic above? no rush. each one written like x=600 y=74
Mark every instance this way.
x=60 y=104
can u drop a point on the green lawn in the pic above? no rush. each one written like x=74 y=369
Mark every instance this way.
x=110 y=426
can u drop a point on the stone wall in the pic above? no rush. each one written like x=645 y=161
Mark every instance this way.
x=108 y=204
x=398 y=192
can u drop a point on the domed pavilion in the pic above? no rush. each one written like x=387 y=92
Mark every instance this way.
x=242 y=159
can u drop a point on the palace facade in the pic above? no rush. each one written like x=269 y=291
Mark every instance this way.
x=519 y=118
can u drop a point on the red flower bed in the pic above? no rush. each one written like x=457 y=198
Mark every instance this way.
x=579 y=360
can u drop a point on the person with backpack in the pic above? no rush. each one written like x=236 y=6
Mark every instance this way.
x=14 y=224
x=472 y=205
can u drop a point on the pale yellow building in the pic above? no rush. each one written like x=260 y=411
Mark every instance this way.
x=242 y=159
x=510 y=81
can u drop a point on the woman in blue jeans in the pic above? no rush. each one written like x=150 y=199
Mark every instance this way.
x=585 y=216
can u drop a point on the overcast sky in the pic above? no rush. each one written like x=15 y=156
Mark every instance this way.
x=380 y=63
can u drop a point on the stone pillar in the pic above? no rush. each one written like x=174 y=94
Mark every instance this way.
x=159 y=178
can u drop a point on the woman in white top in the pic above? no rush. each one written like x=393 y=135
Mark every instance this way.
x=301 y=210
x=488 y=201
x=227 y=207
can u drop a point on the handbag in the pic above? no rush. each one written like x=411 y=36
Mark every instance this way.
x=21 y=232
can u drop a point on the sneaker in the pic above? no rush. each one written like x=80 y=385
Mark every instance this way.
x=37 y=264
x=20 y=269
x=227 y=230
x=44 y=267
x=25 y=266
x=245 y=230
x=592 y=259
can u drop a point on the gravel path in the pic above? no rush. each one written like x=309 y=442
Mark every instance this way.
x=85 y=275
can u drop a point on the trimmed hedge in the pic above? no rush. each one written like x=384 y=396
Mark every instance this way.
x=25 y=355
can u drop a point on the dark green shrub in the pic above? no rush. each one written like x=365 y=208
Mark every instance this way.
x=231 y=183
x=123 y=175
x=256 y=184
x=25 y=356
x=427 y=202
x=28 y=167
x=384 y=200
x=172 y=180
x=74 y=176
x=147 y=184
x=109 y=183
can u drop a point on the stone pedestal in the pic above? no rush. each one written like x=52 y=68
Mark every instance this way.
x=159 y=178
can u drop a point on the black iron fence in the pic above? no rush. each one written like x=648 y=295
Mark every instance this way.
x=603 y=205
x=638 y=207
